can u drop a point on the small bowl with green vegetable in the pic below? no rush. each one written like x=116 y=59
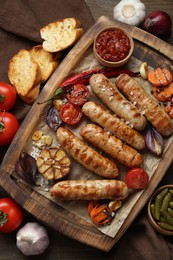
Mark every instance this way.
x=160 y=210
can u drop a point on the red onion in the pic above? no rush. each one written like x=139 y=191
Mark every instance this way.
x=158 y=23
x=154 y=141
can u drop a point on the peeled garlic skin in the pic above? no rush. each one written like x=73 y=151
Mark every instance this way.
x=32 y=239
x=154 y=141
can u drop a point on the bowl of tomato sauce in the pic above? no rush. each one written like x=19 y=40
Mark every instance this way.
x=160 y=210
x=113 y=47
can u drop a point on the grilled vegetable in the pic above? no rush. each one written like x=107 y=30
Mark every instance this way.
x=154 y=141
x=26 y=168
x=159 y=77
x=169 y=109
x=101 y=214
x=53 y=163
x=52 y=118
x=164 y=94
x=41 y=140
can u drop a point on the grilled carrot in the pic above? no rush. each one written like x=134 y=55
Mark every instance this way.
x=91 y=205
x=101 y=214
x=163 y=94
x=169 y=109
x=160 y=77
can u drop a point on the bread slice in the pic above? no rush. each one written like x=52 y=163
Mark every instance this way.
x=45 y=60
x=23 y=72
x=31 y=95
x=61 y=34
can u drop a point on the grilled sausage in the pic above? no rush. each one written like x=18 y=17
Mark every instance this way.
x=86 y=155
x=110 y=95
x=145 y=102
x=90 y=190
x=111 y=145
x=120 y=129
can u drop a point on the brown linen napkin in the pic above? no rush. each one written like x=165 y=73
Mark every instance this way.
x=20 y=22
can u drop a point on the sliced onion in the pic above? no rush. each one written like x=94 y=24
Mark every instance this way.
x=52 y=118
x=154 y=141
x=26 y=168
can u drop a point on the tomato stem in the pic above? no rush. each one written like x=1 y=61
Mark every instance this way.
x=2 y=97
x=1 y=127
x=3 y=218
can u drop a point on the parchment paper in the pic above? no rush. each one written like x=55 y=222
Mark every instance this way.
x=79 y=172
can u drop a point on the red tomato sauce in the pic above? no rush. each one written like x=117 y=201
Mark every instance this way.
x=112 y=45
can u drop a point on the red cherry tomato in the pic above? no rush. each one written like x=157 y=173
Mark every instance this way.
x=78 y=94
x=11 y=215
x=8 y=127
x=137 y=178
x=7 y=96
x=70 y=114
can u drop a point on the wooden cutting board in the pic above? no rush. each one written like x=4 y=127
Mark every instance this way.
x=148 y=48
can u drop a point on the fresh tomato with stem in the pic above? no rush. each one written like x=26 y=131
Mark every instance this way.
x=11 y=215
x=7 y=96
x=70 y=113
x=137 y=178
x=78 y=94
x=8 y=127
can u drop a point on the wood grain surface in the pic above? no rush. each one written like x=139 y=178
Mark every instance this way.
x=59 y=219
x=62 y=246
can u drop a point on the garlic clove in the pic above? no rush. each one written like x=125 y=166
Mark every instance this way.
x=144 y=70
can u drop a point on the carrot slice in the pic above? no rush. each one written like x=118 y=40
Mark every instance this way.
x=101 y=214
x=163 y=94
x=160 y=77
x=91 y=205
x=169 y=110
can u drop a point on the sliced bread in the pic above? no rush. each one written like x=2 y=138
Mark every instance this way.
x=45 y=60
x=61 y=34
x=31 y=95
x=23 y=72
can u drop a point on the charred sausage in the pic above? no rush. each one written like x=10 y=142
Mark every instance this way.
x=111 y=145
x=146 y=103
x=116 y=126
x=90 y=190
x=111 y=96
x=86 y=155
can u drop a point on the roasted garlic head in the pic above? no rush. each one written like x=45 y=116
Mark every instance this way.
x=53 y=163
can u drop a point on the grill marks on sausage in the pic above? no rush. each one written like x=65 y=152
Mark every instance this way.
x=90 y=190
x=86 y=155
x=116 y=126
x=111 y=145
x=153 y=111
x=116 y=102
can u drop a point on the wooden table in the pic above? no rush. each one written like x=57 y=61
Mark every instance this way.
x=62 y=247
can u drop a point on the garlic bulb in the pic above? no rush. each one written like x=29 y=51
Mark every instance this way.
x=132 y=12
x=32 y=239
